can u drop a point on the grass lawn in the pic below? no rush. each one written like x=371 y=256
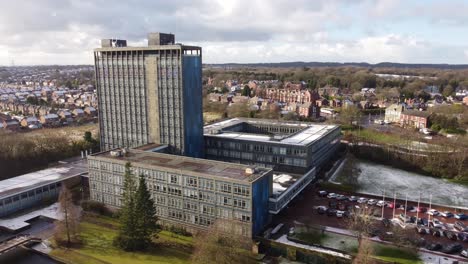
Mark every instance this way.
x=98 y=233
x=340 y=242
x=311 y=237
x=396 y=255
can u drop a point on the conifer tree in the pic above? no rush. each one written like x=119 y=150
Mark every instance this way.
x=127 y=238
x=146 y=214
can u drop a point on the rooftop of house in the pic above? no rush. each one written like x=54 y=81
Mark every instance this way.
x=304 y=133
x=416 y=113
x=185 y=164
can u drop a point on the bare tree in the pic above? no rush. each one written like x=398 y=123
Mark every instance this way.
x=221 y=244
x=360 y=222
x=365 y=252
x=68 y=226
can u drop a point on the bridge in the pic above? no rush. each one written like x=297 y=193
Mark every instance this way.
x=17 y=241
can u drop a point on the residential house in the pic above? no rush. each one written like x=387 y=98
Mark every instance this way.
x=291 y=96
x=329 y=91
x=64 y=114
x=91 y=111
x=393 y=112
x=30 y=122
x=322 y=102
x=9 y=123
x=78 y=113
x=50 y=120
x=414 y=119
x=308 y=110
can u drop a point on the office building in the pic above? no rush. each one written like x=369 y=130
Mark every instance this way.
x=281 y=145
x=188 y=192
x=150 y=94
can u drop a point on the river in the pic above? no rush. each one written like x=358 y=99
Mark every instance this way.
x=373 y=178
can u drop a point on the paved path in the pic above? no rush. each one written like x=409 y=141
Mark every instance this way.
x=15 y=242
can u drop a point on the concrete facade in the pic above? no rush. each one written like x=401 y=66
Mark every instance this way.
x=141 y=93
x=188 y=192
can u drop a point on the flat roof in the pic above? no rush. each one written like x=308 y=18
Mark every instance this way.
x=19 y=184
x=182 y=164
x=144 y=48
x=307 y=134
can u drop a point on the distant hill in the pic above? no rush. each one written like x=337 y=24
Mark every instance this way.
x=338 y=64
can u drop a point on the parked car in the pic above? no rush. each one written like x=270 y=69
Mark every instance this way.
x=436 y=223
x=463 y=237
x=452 y=248
x=341 y=206
x=371 y=202
x=433 y=212
x=446 y=214
x=322 y=193
x=464 y=253
x=460 y=226
x=409 y=208
x=422 y=221
x=450 y=235
x=422 y=229
x=333 y=204
x=437 y=232
x=291 y=231
x=332 y=195
x=461 y=216
x=362 y=200
x=353 y=199
x=380 y=203
x=342 y=198
x=434 y=247
x=331 y=212
x=421 y=209
x=340 y=214
x=321 y=209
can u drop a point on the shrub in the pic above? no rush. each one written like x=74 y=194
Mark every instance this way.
x=96 y=207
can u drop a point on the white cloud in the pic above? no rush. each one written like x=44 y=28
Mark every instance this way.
x=66 y=32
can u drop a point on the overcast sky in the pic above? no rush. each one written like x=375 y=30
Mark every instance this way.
x=66 y=31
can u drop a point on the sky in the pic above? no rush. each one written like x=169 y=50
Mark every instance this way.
x=44 y=32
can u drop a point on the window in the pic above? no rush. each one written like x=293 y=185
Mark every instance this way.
x=225 y=187
x=193 y=182
x=174 y=179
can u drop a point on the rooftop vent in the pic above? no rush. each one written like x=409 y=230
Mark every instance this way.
x=250 y=171
x=116 y=153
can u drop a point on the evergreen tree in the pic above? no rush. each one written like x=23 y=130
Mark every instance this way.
x=137 y=215
x=145 y=211
x=127 y=238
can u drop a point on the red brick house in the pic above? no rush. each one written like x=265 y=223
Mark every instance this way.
x=414 y=119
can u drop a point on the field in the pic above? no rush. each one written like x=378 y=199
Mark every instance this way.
x=97 y=234
x=209 y=117
x=70 y=132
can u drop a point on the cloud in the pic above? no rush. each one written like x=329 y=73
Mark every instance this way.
x=66 y=31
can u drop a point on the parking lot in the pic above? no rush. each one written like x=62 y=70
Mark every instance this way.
x=304 y=210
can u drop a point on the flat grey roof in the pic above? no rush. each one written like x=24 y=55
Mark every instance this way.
x=19 y=184
x=308 y=133
x=182 y=163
